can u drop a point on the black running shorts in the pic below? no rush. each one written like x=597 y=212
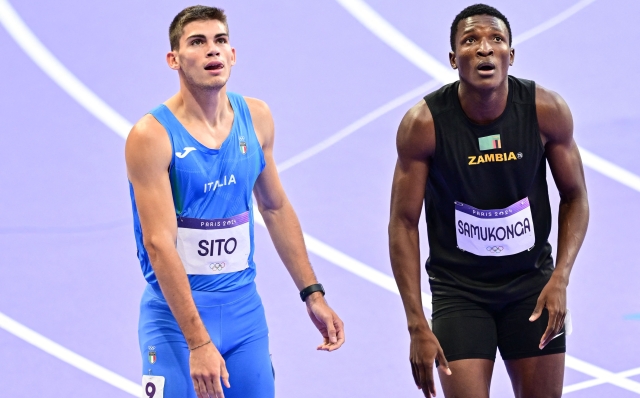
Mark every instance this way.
x=466 y=329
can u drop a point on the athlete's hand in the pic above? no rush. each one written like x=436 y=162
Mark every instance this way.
x=207 y=368
x=423 y=352
x=554 y=298
x=327 y=322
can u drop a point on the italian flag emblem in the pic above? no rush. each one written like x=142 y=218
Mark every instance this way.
x=152 y=357
x=243 y=147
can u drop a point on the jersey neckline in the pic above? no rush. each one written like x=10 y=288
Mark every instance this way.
x=200 y=146
x=493 y=123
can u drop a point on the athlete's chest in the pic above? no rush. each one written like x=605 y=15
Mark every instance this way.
x=512 y=146
x=490 y=167
x=229 y=171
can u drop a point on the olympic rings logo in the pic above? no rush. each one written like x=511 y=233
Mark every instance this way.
x=495 y=249
x=151 y=348
x=217 y=266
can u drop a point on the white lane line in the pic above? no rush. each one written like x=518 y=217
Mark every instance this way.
x=50 y=65
x=103 y=113
x=423 y=60
x=399 y=42
x=596 y=382
x=610 y=170
x=349 y=263
x=358 y=124
x=395 y=39
x=403 y=45
x=602 y=374
x=551 y=22
x=68 y=356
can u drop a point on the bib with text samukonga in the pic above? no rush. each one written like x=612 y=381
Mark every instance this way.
x=212 y=247
x=500 y=232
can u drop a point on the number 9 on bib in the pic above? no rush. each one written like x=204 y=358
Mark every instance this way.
x=152 y=386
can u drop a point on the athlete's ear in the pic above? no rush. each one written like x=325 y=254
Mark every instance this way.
x=512 y=56
x=172 y=60
x=452 y=60
x=233 y=57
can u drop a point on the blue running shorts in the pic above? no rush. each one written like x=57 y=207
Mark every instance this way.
x=237 y=325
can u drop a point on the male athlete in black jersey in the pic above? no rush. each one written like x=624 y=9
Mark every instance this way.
x=476 y=151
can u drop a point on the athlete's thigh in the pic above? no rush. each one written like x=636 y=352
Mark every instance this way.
x=164 y=352
x=533 y=372
x=467 y=334
x=465 y=329
x=470 y=378
x=519 y=338
x=250 y=371
x=537 y=377
x=170 y=371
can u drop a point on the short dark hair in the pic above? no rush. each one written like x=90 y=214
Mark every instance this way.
x=191 y=14
x=477 y=9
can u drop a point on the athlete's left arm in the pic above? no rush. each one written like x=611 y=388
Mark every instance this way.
x=286 y=233
x=556 y=129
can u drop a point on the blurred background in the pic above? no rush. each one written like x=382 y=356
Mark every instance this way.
x=338 y=76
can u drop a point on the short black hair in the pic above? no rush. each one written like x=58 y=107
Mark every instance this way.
x=191 y=14
x=477 y=9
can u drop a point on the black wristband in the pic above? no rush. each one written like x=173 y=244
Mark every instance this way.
x=304 y=293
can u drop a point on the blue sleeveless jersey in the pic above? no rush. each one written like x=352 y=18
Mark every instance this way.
x=212 y=196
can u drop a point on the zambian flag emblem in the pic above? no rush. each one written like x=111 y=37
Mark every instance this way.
x=152 y=357
x=490 y=142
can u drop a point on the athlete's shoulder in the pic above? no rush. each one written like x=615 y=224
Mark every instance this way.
x=524 y=90
x=147 y=127
x=554 y=116
x=258 y=108
x=419 y=115
x=416 y=134
x=443 y=99
x=148 y=139
x=262 y=119
x=549 y=100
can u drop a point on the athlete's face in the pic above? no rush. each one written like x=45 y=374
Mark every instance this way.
x=205 y=56
x=482 y=53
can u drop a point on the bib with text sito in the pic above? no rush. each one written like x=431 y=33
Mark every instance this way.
x=500 y=232
x=212 y=247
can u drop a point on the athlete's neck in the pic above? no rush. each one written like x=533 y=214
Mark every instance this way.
x=483 y=106
x=194 y=105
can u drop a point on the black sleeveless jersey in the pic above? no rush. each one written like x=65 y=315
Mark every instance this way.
x=487 y=167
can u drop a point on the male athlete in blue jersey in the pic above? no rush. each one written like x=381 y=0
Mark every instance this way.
x=193 y=164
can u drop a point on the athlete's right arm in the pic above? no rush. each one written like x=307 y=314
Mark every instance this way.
x=415 y=143
x=148 y=156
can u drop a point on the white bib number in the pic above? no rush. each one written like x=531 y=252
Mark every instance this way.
x=212 y=247
x=153 y=386
x=497 y=233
